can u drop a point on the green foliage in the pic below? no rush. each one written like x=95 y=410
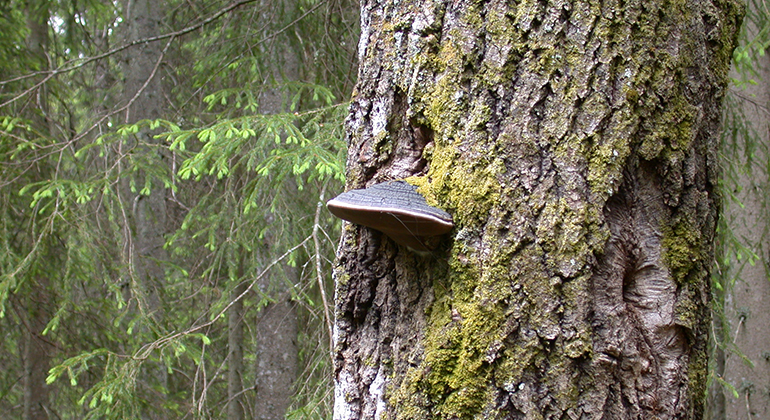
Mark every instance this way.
x=295 y=143
x=240 y=177
x=754 y=41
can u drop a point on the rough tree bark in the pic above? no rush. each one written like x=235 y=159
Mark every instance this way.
x=574 y=145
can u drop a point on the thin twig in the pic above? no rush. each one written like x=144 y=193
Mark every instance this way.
x=749 y=99
x=144 y=352
x=318 y=271
x=67 y=67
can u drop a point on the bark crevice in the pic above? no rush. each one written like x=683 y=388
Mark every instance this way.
x=635 y=301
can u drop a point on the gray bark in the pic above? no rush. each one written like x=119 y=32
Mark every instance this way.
x=277 y=359
x=37 y=352
x=574 y=145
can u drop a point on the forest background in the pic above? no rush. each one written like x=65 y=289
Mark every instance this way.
x=165 y=249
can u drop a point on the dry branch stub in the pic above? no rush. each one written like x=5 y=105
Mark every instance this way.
x=396 y=209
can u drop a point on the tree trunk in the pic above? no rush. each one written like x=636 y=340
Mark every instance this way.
x=235 y=356
x=37 y=310
x=276 y=359
x=277 y=324
x=147 y=209
x=574 y=145
x=36 y=352
x=747 y=220
x=142 y=193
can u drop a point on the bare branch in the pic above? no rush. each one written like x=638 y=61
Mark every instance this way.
x=70 y=65
x=319 y=272
x=145 y=351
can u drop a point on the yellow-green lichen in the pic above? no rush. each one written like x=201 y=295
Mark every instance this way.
x=670 y=129
x=683 y=244
x=342 y=278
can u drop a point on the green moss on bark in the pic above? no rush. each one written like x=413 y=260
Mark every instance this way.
x=507 y=314
x=683 y=243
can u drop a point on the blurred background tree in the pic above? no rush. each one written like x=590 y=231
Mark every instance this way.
x=741 y=359
x=162 y=166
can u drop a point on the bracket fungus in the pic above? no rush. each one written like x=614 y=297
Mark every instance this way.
x=396 y=209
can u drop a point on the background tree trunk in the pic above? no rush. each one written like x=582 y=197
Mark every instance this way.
x=575 y=146
x=276 y=359
x=746 y=219
x=277 y=328
x=235 y=357
x=143 y=195
x=36 y=349
x=146 y=223
x=36 y=352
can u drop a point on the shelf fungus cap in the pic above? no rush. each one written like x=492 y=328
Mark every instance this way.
x=396 y=209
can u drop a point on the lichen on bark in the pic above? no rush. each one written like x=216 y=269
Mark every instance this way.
x=573 y=144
